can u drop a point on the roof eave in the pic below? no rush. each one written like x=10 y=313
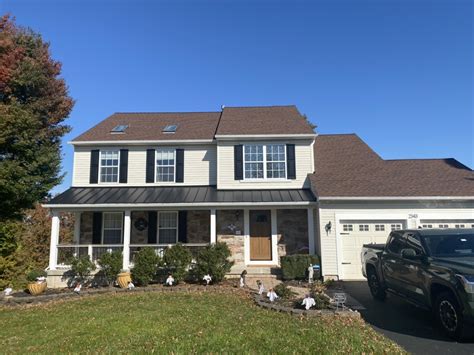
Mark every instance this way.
x=142 y=142
x=393 y=198
x=229 y=137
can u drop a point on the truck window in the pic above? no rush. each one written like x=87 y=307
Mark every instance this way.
x=414 y=242
x=396 y=244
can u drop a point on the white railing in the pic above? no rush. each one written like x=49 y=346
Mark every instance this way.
x=95 y=251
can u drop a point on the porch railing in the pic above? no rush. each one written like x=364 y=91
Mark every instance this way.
x=95 y=251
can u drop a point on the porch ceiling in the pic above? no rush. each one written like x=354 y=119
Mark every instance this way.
x=176 y=195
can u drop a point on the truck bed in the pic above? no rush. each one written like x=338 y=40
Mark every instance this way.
x=374 y=246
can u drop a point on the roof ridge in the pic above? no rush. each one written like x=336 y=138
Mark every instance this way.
x=337 y=134
x=259 y=106
x=162 y=112
x=407 y=159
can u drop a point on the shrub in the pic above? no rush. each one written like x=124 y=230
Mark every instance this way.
x=214 y=260
x=111 y=265
x=317 y=288
x=145 y=265
x=283 y=291
x=33 y=275
x=177 y=260
x=321 y=300
x=295 y=267
x=81 y=267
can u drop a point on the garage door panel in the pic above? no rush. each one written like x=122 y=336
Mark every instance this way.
x=354 y=234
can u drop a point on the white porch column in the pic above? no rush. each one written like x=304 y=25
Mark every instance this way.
x=77 y=227
x=311 y=236
x=213 y=238
x=127 y=223
x=53 y=248
x=246 y=236
x=274 y=224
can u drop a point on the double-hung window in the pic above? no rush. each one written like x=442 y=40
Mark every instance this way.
x=112 y=228
x=165 y=165
x=264 y=161
x=109 y=165
x=167 y=227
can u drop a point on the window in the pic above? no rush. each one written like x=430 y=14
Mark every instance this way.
x=443 y=226
x=396 y=244
x=379 y=227
x=112 y=228
x=165 y=165
x=414 y=242
x=167 y=227
x=427 y=226
x=276 y=166
x=363 y=227
x=253 y=157
x=119 y=128
x=109 y=165
x=347 y=227
x=265 y=161
x=459 y=226
x=395 y=227
x=170 y=128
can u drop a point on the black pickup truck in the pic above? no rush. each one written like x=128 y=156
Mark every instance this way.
x=432 y=268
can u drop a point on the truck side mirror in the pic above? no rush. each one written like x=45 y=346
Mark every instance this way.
x=409 y=253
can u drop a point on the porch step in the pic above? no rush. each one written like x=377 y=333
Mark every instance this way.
x=257 y=271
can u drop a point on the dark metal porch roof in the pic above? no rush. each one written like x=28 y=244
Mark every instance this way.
x=175 y=195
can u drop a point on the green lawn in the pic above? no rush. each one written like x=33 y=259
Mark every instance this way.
x=178 y=323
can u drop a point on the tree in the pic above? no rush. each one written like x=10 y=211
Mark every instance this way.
x=34 y=103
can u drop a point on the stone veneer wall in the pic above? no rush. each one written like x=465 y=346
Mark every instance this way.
x=292 y=229
x=86 y=228
x=136 y=236
x=230 y=230
x=199 y=226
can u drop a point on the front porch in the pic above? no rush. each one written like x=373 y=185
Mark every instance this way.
x=256 y=236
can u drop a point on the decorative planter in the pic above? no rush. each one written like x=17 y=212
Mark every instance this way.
x=36 y=288
x=123 y=279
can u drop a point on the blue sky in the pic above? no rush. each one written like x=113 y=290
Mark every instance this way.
x=397 y=73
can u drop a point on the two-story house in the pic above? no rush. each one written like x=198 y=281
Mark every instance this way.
x=240 y=176
x=257 y=178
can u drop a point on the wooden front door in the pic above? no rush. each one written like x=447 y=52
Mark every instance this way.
x=260 y=235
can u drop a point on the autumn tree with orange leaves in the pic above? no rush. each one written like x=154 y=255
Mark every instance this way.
x=34 y=102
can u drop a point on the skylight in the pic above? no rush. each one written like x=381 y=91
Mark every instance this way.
x=119 y=128
x=170 y=128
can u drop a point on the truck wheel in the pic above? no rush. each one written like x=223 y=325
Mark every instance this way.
x=376 y=289
x=449 y=315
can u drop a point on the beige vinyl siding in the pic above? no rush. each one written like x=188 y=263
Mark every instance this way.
x=304 y=166
x=410 y=213
x=199 y=166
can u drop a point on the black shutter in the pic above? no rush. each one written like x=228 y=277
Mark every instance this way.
x=179 y=165
x=97 y=228
x=290 y=162
x=182 y=226
x=152 y=227
x=150 y=165
x=94 y=170
x=123 y=174
x=238 y=162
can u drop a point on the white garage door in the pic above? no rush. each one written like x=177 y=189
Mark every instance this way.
x=353 y=234
x=446 y=223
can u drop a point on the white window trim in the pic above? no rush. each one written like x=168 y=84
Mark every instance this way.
x=156 y=167
x=264 y=161
x=100 y=167
x=103 y=227
x=158 y=228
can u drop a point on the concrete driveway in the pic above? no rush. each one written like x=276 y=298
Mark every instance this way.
x=413 y=328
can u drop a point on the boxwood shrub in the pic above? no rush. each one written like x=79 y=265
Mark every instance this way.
x=295 y=267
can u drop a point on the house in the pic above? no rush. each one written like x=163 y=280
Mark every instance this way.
x=257 y=178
